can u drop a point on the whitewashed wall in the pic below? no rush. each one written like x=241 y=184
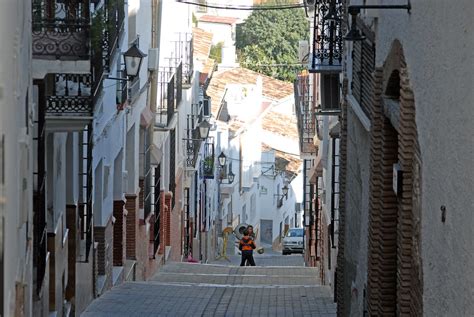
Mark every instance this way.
x=15 y=121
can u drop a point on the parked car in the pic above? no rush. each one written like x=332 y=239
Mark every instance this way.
x=293 y=241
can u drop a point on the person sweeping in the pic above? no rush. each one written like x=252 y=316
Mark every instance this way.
x=246 y=246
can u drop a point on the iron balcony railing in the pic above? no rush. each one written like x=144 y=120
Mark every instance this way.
x=327 y=50
x=166 y=96
x=61 y=29
x=305 y=114
x=107 y=27
x=208 y=161
x=193 y=141
x=183 y=54
x=70 y=96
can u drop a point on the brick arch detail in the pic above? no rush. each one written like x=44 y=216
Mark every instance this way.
x=410 y=275
x=395 y=279
x=383 y=210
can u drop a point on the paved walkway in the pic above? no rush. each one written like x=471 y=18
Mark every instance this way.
x=186 y=289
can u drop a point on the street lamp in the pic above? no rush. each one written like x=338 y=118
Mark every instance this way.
x=285 y=192
x=222 y=159
x=133 y=60
x=230 y=177
x=204 y=128
x=354 y=33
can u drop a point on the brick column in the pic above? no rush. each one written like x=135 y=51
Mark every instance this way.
x=342 y=198
x=119 y=233
x=163 y=226
x=167 y=218
x=131 y=206
x=104 y=237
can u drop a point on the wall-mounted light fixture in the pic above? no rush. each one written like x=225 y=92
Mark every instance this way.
x=354 y=33
x=222 y=158
x=284 y=192
x=133 y=59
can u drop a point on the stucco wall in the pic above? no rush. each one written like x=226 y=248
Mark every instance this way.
x=15 y=81
x=437 y=41
x=356 y=216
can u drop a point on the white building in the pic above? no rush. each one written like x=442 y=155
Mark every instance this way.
x=16 y=160
x=252 y=113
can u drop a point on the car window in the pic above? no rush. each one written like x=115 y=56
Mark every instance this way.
x=295 y=233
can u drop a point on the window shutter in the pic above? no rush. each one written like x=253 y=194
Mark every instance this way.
x=363 y=67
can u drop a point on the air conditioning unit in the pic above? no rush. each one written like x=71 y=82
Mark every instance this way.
x=153 y=56
x=303 y=52
x=330 y=92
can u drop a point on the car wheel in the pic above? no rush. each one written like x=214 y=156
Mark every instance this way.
x=284 y=253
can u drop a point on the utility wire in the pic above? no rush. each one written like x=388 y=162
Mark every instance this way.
x=242 y=7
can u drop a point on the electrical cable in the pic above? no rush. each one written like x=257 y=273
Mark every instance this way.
x=243 y=7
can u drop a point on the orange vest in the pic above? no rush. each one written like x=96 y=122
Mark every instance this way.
x=246 y=244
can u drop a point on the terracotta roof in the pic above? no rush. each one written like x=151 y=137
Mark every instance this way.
x=273 y=89
x=278 y=123
x=202 y=42
x=283 y=160
x=218 y=19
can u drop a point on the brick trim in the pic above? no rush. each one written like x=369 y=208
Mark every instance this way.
x=131 y=205
x=341 y=309
x=395 y=277
x=410 y=275
x=119 y=233
x=382 y=242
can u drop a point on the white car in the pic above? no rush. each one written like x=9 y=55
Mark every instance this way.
x=293 y=241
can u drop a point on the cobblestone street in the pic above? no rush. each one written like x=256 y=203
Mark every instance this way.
x=180 y=289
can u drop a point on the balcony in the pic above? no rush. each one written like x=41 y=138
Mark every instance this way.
x=166 y=97
x=327 y=49
x=68 y=104
x=208 y=161
x=193 y=139
x=305 y=114
x=61 y=33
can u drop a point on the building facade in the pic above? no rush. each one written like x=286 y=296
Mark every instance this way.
x=16 y=161
x=403 y=211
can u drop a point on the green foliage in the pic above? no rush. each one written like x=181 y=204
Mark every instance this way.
x=97 y=30
x=271 y=37
x=216 y=52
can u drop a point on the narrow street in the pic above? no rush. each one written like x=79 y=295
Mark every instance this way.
x=188 y=289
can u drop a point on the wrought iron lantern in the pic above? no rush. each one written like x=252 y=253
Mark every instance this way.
x=284 y=193
x=222 y=159
x=354 y=33
x=133 y=60
x=204 y=128
x=230 y=177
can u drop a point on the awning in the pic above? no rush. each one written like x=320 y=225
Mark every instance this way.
x=146 y=117
x=335 y=131
x=156 y=155
x=316 y=170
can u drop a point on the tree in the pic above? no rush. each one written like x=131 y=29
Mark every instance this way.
x=270 y=37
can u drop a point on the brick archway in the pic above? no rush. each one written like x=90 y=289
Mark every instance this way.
x=394 y=255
